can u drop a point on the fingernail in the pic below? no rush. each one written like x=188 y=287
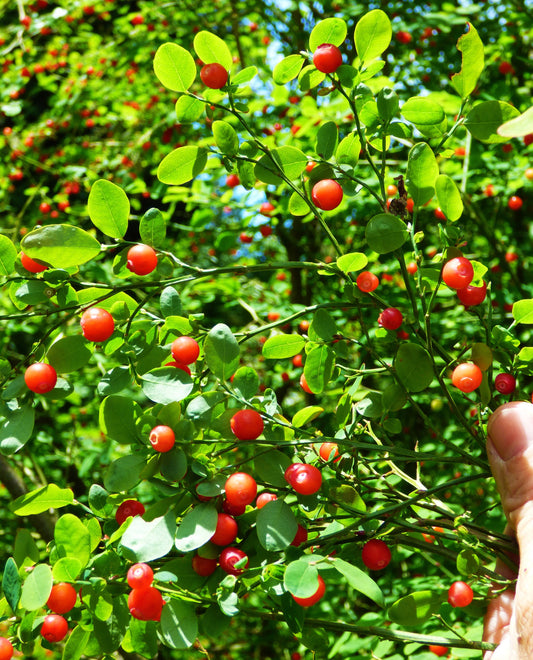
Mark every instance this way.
x=510 y=428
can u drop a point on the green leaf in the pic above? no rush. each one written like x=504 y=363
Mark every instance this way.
x=322 y=327
x=298 y=205
x=244 y=76
x=301 y=578
x=196 y=527
x=42 y=499
x=473 y=62
x=145 y=541
x=76 y=644
x=211 y=48
x=69 y=354
x=288 y=160
x=11 y=583
x=523 y=311
x=166 y=384
x=449 y=197
x=170 y=302
x=387 y=103
x=414 y=367
x=326 y=140
x=386 y=232
x=37 y=587
x=110 y=633
x=310 y=77
x=486 y=117
x=124 y=473
x=422 y=111
x=26 y=551
x=17 y=429
x=319 y=367
x=179 y=624
x=329 y=31
x=519 y=126
x=66 y=569
x=276 y=526
x=306 y=415
x=270 y=467
x=173 y=464
x=153 y=228
x=226 y=138
x=468 y=562
x=117 y=418
x=221 y=351
x=174 y=66
x=279 y=347
x=287 y=69
x=61 y=246
x=422 y=171
x=359 y=580
x=72 y=538
x=8 y=255
x=142 y=638
x=246 y=382
x=348 y=150
x=352 y=262
x=188 y=109
x=373 y=34
x=109 y=208
x=414 y=609
x=182 y=165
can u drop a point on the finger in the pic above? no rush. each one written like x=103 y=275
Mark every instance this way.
x=510 y=452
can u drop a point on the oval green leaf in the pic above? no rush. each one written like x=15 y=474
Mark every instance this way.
x=523 y=311
x=124 y=473
x=373 y=34
x=276 y=526
x=279 y=347
x=69 y=354
x=287 y=160
x=109 y=208
x=485 y=118
x=17 y=429
x=145 y=541
x=211 y=48
x=36 y=588
x=72 y=539
x=351 y=262
x=306 y=415
x=449 y=197
x=117 y=418
x=174 y=66
x=196 y=527
x=319 y=367
x=221 y=351
x=188 y=109
x=301 y=578
x=422 y=111
x=414 y=367
x=61 y=246
x=329 y=31
x=359 y=580
x=326 y=140
x=287 y=69
x=42 y=499
x=182 y=165
x=179 y=624
x=153 y=228
x=226 y=138
x=414 y=609
x=386 y=232
x=422 y=171
x=8 y=255
x=348 y=150
x=166 y=384
x=473 y=62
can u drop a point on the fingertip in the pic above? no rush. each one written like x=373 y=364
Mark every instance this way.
x=510 y=428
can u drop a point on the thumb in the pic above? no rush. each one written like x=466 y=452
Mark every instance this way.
x=510 y=453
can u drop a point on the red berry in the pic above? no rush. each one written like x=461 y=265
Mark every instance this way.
x=185 y=350
x=6 y=649
x=146 y=604
x=214 y=75
x=390 y=318
x=458 y=272
x=266 y=208
x=226 y=530
x=233 y=509
x=40 y=377
x=326 y=194
x=97 y=324
x=264 y=498
x=44 y=207
x=142 y=259
x=300 y=536
x=62 y=598
x=441 y=651
x=505 y=68
x=467 y=377
x=472 y=295
x=304 y=384
x=367 y=281
x=231 y=556
x=439 y=214
x=178 y=365
x=311 y=600
x=304 y=479
x=245 y=238
x=138 y=19
x=327 y=58
x=273 y=316
x=376 y=554
x=204 y=566
x=328 y=451
x=297 y=360
x=232 y=180
x=128 y=508
x=247 y=424
x=140 y=576
x=266 y=230
x=392 y=190
x=240 y=488
x=515 y=203
x=54 y=628
x=30 y=265
x=505 y=383
x=162 y=438
x=411 y=267
x=403 y=37
x=460 y=594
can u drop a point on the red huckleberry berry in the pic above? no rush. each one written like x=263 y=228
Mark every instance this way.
x=240 y=488
x=367 y=281
x=515 y=203
x=185 y=350
x=162 y=438
x=300 y=536
x=327 y=194
x=54 y=628
x=97 y=324
x=390 y=318
x=30 y=265
x=214 y=75
x=231 y=556
x=505 y=383
x=458 y=272
x=472 y=295
x=304 y=479
x=232 y=180
x=327 y=58
x=328 y=451
x=376 y=554
x=467 y=377
x=40 y=377
x=204 y=566
x=460 y=594
x=233 y=509
x=128 y=508
x=146 y=604
x=438 y=650
x=247 y=424
x=62 y=598
x=226 y=530
x=6 y=649
x=264 y=498
x=311 y=600
x=140 y=576
x=142 y=259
